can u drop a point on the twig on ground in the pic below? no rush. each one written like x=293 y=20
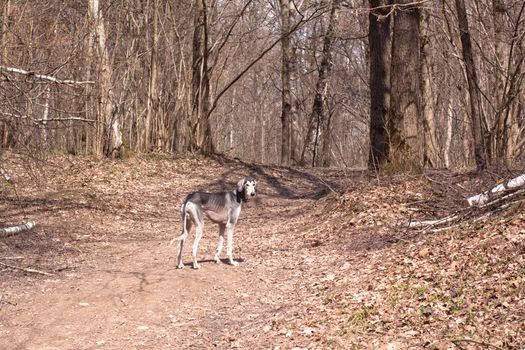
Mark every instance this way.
x=485 y=344
x=328 y=186
x=11 y=258
x=26 y=269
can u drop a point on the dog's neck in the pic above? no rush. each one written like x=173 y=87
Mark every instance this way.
x=240 y=196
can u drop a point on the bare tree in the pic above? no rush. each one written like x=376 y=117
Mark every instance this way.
x=320 y=118
x=431 y=144
x=478 y=129
x=4 y=126
x=108 y=139
x=151 y=106
x=288 y=77
x=200 y=138
x=405 y=140
x=379 y=41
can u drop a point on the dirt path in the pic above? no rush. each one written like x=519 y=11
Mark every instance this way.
x=119 y=288
x=318 y=270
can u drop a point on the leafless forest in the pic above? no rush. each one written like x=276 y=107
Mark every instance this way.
x=429 y=83
x=112 y=111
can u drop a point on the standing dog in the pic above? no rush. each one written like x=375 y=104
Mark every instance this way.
x=223 y=208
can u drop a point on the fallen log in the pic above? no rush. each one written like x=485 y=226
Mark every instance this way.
x=485 y=197
x=13 y=230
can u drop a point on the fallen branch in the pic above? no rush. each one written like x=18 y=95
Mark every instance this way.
x=502 y=199
x=482 y=198
x=478 y=213
x=477 y=342
x=44 y=77
x=5 y=175
x=13 y=230
x=432 y=223
x=43 y=121
x=27 y=269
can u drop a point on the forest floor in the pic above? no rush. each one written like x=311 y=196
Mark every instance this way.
x=324 y=261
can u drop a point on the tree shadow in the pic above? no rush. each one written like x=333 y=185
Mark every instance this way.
x=287 y=182
x=224 y=261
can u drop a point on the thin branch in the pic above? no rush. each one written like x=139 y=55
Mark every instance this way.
x=27 y=269
x=487 y=345
x=257 y=59
x=43 y=77
x=44 y=121
x=230 y=30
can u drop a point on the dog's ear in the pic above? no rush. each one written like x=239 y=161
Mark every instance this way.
x=240 y=185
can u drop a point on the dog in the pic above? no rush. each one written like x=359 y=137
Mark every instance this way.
x=223 y=208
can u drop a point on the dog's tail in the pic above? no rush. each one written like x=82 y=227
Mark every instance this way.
x=184 y=217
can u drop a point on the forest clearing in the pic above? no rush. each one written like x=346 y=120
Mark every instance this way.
x=325 y=260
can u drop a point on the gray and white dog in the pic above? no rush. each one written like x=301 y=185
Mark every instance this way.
x=223 y=208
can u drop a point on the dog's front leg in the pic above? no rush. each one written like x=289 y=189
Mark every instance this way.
x=222 y=228
x=229 y=233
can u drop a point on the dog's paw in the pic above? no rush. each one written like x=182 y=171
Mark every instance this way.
x=196 y=266
x=234 y=263
x=180 y=266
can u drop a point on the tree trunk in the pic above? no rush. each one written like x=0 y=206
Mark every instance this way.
x=287 y=79
x=478 y=132
x=4 y=126
x=379 y=42
x=431 y=147
x=405 y=143
x=108 y=139
x=448 y=139
x=320 y=113
x=5 y=26
x=200 y=132
x=151 y=111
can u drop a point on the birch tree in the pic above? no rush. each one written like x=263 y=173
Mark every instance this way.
x=108 y=139
x=321 y=116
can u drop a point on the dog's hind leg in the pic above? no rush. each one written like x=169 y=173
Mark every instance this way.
x=199 y=227
x=229 y=248
x=222 y=228
x=187 y=223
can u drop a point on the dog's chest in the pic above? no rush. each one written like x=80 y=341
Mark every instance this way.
x=217 y=216
x=223 y=215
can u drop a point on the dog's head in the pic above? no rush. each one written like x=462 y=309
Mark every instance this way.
x=248 y=187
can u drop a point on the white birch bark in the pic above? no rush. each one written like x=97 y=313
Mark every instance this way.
x=448 y=140
x=108 y=129
x=43 y=76
x=5 y=175
x=9 y=231
x=486 y=196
